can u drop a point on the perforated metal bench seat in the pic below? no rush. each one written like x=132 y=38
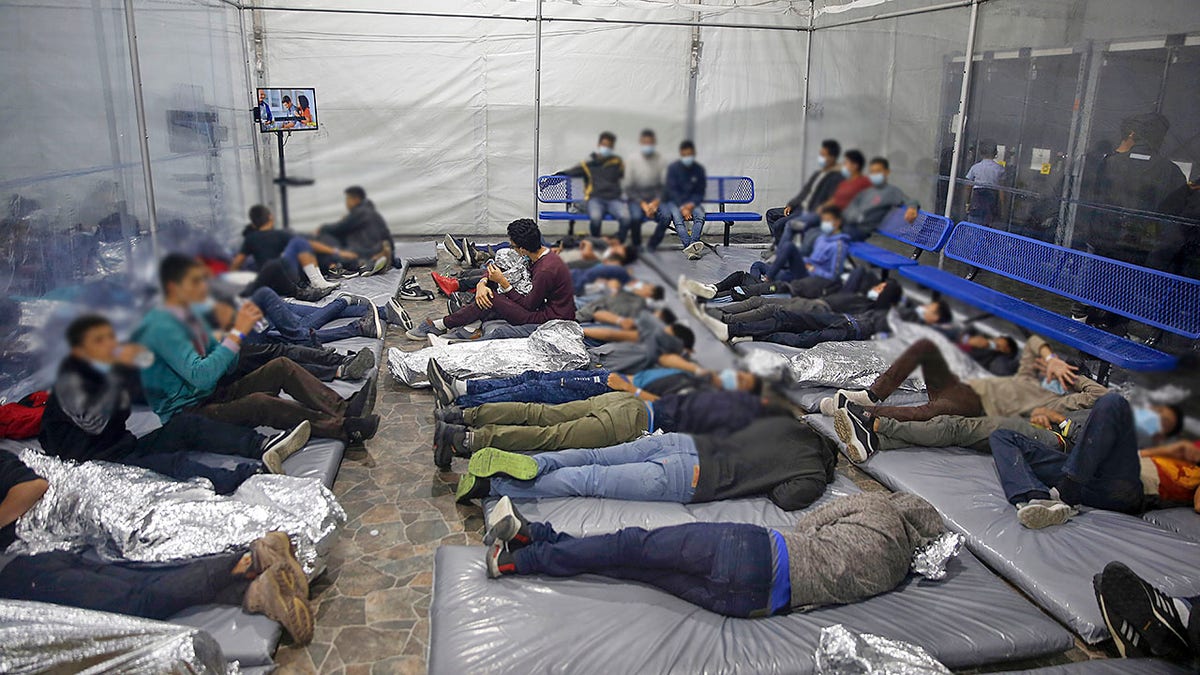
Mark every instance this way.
x=927 y=232
x=711 y=217
x=879 y=257
x=1112 y=348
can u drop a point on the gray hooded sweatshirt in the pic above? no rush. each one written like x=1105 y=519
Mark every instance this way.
x=857 y=546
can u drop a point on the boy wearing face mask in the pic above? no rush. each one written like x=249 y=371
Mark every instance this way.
x=871 y=206
x=602 y=173
x=681 y=202
x=801 y=211
x=644 y=182
x=89 y=405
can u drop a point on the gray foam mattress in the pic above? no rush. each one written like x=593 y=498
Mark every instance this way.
x=1053 y=566
x=1110 y=667
x=1181 y=520
x=709 y=351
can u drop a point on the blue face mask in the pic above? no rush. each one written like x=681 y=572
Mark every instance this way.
x=203 y=307
x=845 y=172
x=604 y=151
x=101 y=367
x=1053 y=386
x=877 y=179
x=729 y=379
x=1148 y=425
x=648 y=150
x=827 y=226
x=688 y=160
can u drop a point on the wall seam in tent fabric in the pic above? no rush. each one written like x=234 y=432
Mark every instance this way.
x=143 y=132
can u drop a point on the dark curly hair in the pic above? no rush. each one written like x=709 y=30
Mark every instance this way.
x=525 y=234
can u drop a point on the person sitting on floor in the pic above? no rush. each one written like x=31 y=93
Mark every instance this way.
x=601 y=421
x=89 y=404
x=1043 y=380
x=779 y=457
x=324 y=363
x=190 y=368
x=735 y=569
x=683 y=203
x=1144 y=622
x=262 y=242
x=602 y=173
x=362 y=232
x=264 y=577
x=552 y=295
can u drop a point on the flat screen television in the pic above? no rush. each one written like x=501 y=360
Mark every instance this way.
x=285 y=109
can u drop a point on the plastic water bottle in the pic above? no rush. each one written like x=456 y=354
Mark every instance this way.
x=261 y=326
x=144 y=359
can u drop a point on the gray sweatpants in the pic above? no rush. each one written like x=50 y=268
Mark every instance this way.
x=952 y=430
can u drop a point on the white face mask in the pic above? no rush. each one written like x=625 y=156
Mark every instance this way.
x=820 y=161
x=877 y=178
x=872 y=295
x=827 y=226
x=604 y=151
x=648 y=149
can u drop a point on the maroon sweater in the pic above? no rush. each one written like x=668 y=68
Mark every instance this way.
x=553 y=293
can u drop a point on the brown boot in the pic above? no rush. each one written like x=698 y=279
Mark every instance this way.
x=271 y=595
x=276 y=548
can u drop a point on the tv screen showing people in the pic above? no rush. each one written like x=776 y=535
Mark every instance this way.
x=286 y=109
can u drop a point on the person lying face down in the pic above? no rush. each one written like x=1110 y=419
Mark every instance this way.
x=779 y=457
x=731 y=568
x=264 y=578
x=600 y=421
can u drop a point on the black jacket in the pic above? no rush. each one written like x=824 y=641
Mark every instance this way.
x=602 y=175
x=362 y=231
x=816 y=190
x=707 y=411
x=85 y=415
x=780 y=457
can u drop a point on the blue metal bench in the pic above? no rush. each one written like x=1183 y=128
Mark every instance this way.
x=721 y=190
x=928 y=232
x=1158 y=299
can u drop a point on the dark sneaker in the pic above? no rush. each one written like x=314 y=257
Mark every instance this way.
x=488 y=462
x=396 y=315
x=452 y=247
x=271 y=594
x=275 y=548
x=499 y=561
x=441 y=383
x=283 y=445
x=369 y=326
x=472 y=487
x=451 y=414
x=1143 y=620
x=357 y=366
x=470 y=254
x=458 y=300
x=446 y=285
x=862 y=397
x=352 y=299
x=359 y=429
x=362 y=402
x=449 y=440
x=311 y=294
x=378 y=264
x=422 y=331
x=505 y=524
x=857 y=431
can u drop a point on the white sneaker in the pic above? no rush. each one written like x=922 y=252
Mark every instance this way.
x=706 y=291
x=1038 y=513
x=828 y=406
x=718 y=327
x=860 y=397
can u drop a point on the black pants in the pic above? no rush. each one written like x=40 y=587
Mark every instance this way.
x=170 y=450
x=275 y=276
x=323 y=363
x=254 y=400
x=149 y=591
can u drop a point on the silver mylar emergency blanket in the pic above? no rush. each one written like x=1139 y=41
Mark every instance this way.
x=841 y=652
x=129 y=513
x=38 y=637
x=555 y=345
x=930 y=560
x=856 y=365
x=515 y=268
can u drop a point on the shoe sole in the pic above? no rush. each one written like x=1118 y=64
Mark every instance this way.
x=286 y=447
x=501 y=522
x=360 y=365
x=437 y=382
x=398 y=315
x=466 y=483
x=697 y=289
x=452 y=247
x=1038 y=517
x=443 y=454
x=416 y=337
x=282 y=606
x=279 y=546
x=845 y=431
x=489 y=462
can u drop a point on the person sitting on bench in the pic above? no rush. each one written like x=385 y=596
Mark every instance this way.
x=645 y=179
x=682 y=202
x=264 y=577
x=362 y=232
x=190 y=368
x=262 y=242
x=779 y=457
x=601 y=421
x=801 y=211
x=602 y=173
x=865 y=434
x=872 y=205
x=1042 y=381
x=1103 y=469
x=551 y=297
x=1144 y=621
x=85 y=417
x=851 y=549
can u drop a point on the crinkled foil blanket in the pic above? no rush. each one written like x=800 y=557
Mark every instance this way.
x=38 y=637
x=855 y=365
x=516 y=269
x=842 y=652
x=129 y=513
x=931 y=559
x=554 y=346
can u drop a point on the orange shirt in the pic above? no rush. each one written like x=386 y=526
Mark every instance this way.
x=1177 y=479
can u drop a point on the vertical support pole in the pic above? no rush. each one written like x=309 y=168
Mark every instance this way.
x=283 y=183
x=114 y=147
x=689 y=120
x=135 y=71
x=961 y=127
x=537 y=101
x=251 y=84
x=812 y=10
x=1095 y=63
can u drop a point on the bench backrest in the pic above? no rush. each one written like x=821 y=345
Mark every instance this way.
x=720 y=190
x=1158 y=299
x=928 y=232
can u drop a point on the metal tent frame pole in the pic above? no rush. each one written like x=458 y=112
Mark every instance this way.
x=537 y=99
x=139 y=104
x=961 y=126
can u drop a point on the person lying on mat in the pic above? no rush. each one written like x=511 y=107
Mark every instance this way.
x=191 y=368
x=597 y=422
x=576 y=385
x=264 y=577
x=865 y=433
x=863 y=290
x=552 y=295
x=1043 y=380
x=779 y=457
x=89 y=404
x=656 y=338
x=623 y=301
x=263 y=243
x=595 y=278
x=588 y=252
x=295 y=323
x=1144 y=621
x=362 y=231
x=735 y=569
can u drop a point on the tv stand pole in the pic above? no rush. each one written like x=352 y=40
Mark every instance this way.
x=283 y=182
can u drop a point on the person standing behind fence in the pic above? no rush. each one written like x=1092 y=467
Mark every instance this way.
x=985 y=177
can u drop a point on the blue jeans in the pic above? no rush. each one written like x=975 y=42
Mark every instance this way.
x=723 y=567
x=1102 y=470
x=657 y=468
x=597 y=207
x=170 y=450
x=789 y=263
x=291 y=253
x=637 y=217
x=787 y=226
x=301 y=324
x=669 y=213
x=536 y=387
x=582 y=277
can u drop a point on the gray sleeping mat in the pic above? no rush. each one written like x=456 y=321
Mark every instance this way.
x=1109 y=667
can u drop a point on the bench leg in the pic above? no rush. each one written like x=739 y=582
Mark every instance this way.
x=570 y=228
x=1102 y=375
x=727 y=226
